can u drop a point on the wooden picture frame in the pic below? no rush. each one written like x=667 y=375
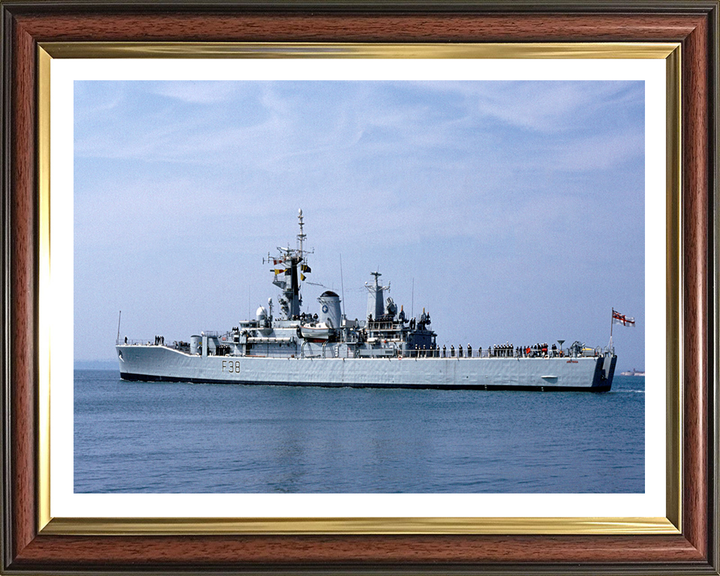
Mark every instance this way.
x=27 y=547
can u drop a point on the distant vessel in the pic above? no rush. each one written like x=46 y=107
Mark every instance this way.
x=633 y=372
x=388 y=349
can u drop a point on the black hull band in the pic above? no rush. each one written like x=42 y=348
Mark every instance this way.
x=151 y=378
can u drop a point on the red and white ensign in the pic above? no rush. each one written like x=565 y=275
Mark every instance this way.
x=618 y=318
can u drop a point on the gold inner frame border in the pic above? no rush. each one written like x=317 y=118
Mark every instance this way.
x=671 y=524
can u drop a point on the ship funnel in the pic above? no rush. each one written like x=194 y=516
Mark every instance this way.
x=330 y=309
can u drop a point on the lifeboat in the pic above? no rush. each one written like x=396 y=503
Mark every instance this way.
x=317 y=333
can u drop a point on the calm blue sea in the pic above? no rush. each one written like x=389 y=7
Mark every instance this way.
x=194 y=438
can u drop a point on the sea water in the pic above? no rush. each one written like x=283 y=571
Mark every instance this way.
x=199 y=438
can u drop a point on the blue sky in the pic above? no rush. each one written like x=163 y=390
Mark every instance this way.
x=515 y=209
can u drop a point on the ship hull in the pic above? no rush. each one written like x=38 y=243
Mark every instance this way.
x=162 y=364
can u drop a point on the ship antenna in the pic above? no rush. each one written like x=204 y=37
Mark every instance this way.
x=301 y=236
x=412 y=300
x=117 y=340
x=342 y=287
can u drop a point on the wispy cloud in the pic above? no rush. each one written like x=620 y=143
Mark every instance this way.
x=547 y=106
x=194 y=92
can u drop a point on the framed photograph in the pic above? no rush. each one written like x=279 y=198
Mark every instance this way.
x=514 y=203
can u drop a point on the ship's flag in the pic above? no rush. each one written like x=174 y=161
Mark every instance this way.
x=277 y=270
x=305 y=268
x=618 y=318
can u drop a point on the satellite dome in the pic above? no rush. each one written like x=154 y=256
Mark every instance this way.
x=329 y=293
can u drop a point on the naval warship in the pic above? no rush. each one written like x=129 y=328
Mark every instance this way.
x=386 y=349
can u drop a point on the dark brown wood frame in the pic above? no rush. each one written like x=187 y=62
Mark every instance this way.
x=694 y=24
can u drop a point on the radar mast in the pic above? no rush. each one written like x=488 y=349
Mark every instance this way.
x=290 y=267
x=375 y=304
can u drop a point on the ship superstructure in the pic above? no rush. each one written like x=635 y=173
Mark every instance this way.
x=387 y=349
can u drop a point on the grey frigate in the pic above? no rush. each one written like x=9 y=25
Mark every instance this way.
x=387 y=349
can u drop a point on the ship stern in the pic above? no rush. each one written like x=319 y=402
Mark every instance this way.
x=604 y=373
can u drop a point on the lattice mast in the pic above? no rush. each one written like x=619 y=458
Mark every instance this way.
x=290 y=268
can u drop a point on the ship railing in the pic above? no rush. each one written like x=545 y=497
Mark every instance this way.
x=176 y=345
x=420 y=353
x=505 y=353
x=134 y=342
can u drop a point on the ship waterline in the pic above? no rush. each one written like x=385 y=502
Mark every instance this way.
x=388 y=349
